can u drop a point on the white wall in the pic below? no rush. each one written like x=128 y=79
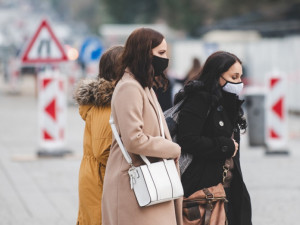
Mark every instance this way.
x=259 y=58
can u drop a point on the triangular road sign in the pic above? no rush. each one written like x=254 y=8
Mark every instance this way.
x=44 y=47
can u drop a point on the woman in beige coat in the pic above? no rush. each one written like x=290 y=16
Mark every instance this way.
x=94 y=97
x=135 y=111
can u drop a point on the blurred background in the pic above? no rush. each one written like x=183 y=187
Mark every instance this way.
x=59 y=42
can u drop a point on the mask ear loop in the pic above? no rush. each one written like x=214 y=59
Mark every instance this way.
x=225 y=80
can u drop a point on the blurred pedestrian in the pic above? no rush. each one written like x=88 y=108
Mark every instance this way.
x=165 y=94
x=135 y=110
x=209 y=127
x=94 y=99
x=194 y=71
x=192 y=74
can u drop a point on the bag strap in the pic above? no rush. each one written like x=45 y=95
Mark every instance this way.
x=174 y=109
x=119 y=141
x=160 y=122
x=227 y=164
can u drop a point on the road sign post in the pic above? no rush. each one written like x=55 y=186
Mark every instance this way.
x=45 y=49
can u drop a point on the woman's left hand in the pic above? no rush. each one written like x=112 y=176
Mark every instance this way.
x=176 y=159
x=236 y=147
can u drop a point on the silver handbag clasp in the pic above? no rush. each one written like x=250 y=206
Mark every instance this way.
x=133 y=174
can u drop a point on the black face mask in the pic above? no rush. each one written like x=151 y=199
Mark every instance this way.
x=159 y=65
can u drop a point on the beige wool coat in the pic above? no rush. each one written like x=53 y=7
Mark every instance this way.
x=135 y=114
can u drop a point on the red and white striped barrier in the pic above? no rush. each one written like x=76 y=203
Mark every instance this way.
x=276 y=114
x=14 y=66
x=52 y=109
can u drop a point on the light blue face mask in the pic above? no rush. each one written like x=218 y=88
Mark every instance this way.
x=234 y=88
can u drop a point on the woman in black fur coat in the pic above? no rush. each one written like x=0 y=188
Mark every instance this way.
x=209 y=126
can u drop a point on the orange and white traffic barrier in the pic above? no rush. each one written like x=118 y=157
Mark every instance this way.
x=52 y=109
x=276 y=114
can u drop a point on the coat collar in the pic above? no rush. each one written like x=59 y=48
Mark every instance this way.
x=151 y=98
x=153 y=101
x=93 y=92
x=149 y=92
x=96 y=92
x=155 y=104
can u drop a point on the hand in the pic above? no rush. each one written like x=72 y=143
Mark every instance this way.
x=236 y=147
x=176 y=159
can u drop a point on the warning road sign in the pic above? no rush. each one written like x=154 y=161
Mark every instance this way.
x=44 y=47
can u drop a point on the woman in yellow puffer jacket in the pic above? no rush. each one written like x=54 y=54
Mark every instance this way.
x=94 y=97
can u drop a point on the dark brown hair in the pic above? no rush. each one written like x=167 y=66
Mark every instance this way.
x=208 y=80
x=110 y=63
x=137 y=56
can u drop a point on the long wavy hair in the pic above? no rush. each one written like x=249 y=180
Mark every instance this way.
x=208 y=80
x=137 y=56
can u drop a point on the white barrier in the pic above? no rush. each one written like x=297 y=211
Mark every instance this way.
x=52 y=109
x=276 y=114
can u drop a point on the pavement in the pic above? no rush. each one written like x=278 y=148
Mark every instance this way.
x=42 y=191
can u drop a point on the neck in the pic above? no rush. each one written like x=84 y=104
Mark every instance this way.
x=127 y=70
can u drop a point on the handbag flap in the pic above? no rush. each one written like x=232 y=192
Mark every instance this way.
x=217 y=192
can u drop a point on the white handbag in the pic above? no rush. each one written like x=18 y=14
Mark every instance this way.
x=152 y=183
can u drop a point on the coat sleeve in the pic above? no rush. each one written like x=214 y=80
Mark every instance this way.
x=191 y=134
x=128 y=112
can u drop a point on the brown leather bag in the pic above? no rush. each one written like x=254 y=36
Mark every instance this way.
x=205 y=207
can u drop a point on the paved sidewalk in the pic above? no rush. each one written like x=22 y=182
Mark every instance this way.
x=37 y=191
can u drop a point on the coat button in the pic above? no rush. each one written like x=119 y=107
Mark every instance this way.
x=224 y=148
x=221 y=123
x=220 y=108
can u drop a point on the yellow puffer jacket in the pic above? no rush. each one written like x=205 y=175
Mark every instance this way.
x=93 y=97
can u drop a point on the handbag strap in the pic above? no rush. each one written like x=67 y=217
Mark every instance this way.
x=119 y=141
x=160 y=122
x=227 y=164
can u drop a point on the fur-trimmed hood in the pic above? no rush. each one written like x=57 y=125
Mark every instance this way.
x=91 y=93
x=94 y=92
